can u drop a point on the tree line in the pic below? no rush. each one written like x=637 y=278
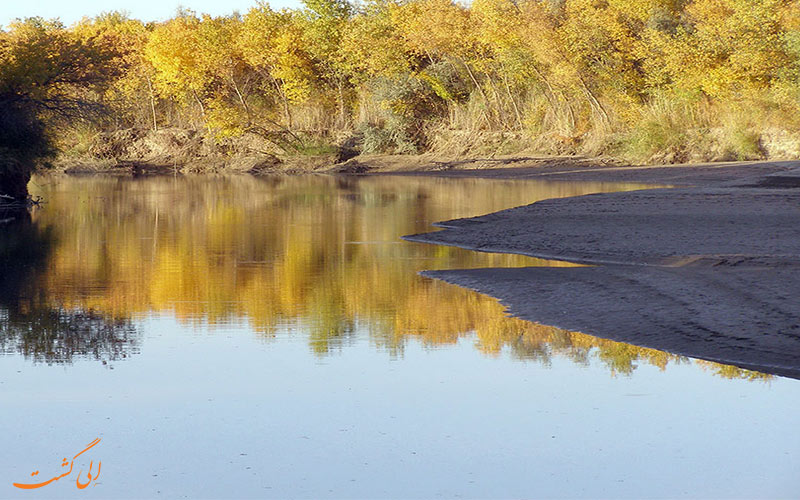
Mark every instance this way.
x=636 y=77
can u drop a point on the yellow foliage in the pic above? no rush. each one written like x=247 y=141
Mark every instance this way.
x=571 y=68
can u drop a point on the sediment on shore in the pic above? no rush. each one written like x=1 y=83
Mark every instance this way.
x=711 y=271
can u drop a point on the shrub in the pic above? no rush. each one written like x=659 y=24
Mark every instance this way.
x=744 y=144
x=406 y=105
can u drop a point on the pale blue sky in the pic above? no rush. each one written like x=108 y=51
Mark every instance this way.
x=70 y=11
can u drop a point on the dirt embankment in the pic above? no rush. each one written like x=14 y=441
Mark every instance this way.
x=175 y=150
x=164 y=151
x=711 y=271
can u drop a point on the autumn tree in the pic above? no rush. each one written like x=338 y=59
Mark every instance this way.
x=131 y=95
x=49 y=77
x=323 y=24
x=173 y=49
x=405 y=76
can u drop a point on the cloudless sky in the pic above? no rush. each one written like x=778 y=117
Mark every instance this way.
x=70 y=11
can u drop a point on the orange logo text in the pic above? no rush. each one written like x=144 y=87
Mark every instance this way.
x=90 y=476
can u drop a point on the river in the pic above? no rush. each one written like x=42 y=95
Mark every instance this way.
x=271 y=337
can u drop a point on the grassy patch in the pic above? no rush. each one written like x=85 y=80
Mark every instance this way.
x=316 y=148
x=743 y=144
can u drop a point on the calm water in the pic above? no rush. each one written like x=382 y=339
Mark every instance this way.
x=242 y=337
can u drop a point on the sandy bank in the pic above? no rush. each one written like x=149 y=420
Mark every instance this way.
x=660 y=226
x=711 y=271
x=576 y=169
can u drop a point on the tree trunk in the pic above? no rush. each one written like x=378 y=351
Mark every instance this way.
x=152 y=103
x=480 y=89
x=14 y=179
x=513 y=100
x=242 y=100
x=342 y=118
x=594 y=102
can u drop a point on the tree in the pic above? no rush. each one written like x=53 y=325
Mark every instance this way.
x=131 y=95
x=173 y=50
x=49 y=76
x=323 y=24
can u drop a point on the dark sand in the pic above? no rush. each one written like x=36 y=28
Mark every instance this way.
x=710 y=271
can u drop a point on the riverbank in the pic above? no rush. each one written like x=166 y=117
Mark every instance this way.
x=180 y=151
x=710 y=271
x=174 y=151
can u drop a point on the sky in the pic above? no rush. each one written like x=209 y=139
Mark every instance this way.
x=70 y=11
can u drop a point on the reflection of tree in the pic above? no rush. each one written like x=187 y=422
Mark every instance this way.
x=58 y=336
x=23 y=249
x=733 y=372
x=321 y=253
x=32 y=327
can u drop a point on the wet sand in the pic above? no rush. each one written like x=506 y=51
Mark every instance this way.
x=710 y=271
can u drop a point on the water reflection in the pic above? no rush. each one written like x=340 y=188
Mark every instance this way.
x=31 y=324
x=59 y=336
x=321 y=255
